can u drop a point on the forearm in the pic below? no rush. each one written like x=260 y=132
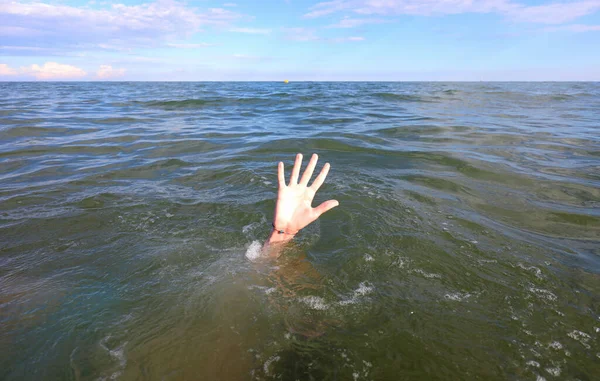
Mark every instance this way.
x=275 y=242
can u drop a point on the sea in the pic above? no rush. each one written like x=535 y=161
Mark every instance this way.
x=466 y=245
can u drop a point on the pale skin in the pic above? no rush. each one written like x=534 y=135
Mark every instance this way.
x=294 y=210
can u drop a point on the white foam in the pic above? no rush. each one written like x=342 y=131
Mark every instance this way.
x=117 y=354
x=369 y=258
x=427 y=275
x=544 y=294
x=533 y=363
x=254 y=251
x=540 y=378
x=268 y=363
x=536 y=271
x=553 y=371
x=401 y=262
x=458 y=296
x=363 y=289
x=315 y=302
x=582 y=337
x=270 y=290
x=555 y=345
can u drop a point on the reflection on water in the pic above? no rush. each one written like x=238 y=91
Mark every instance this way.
x=466 y=244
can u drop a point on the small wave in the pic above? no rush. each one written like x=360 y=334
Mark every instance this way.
x=200 y=103
x=364 y=288
x=400 y=97
x=118 y=120
x=328 y=121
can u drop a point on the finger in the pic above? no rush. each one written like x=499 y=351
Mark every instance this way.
x=321 y=178
x=296 y=170
x=326 y=206
x=310 y=168
x=281 y=175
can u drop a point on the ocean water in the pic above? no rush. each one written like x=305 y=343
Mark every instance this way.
x=466 y=245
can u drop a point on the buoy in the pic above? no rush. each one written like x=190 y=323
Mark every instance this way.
x=286 y=81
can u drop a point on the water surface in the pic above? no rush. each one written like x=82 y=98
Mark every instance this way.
x=466 y=245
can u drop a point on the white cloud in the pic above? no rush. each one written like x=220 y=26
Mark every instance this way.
x=309 y=34
x=230 y=5
x=53 y=70
x=6 y=70
x=126 y=26
x=300 y=34
x=107 y=72
x=578 y=28
x=346 y=39
x=250 y=30
x=190 y=46
x=554 y=13
x=349 y=22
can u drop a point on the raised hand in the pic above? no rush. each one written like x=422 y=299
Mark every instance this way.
x=294 y=210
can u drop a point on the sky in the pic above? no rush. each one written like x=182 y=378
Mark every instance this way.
x=337 y=40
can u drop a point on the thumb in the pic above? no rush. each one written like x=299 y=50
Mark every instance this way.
x=326 y=206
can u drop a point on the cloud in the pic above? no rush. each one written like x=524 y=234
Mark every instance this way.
x=107 y=72
x=578 y=28
x=230 y=5
x=309 y=34
x=554 y=13
x=53 y=70
x=6 y=70
x=250 y=30
x=300 y=34
x=190 y=46
x=328 y=7
x=345 y=39
x=348 y=22
x=66 y=28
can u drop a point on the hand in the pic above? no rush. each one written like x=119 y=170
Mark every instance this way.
x=293 y=210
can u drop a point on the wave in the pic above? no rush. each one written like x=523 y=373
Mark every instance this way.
x=200 y=103
x=401 y=97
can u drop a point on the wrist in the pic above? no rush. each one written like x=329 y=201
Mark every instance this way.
x=283 y=229
x=275 y=237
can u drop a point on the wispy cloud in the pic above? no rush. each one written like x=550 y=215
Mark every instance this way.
x=578 y=28
x=127 y=26
x=300 y=34
x=554 y=13
x=250 y=30
x=310 y=34
x=189 y=46
x=6 y=71
x=108 y=72
x=347 y=39
x=349 y=22
x=230 y=5
x=53 y=70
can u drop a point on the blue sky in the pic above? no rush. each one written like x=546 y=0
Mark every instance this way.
x=300 y=40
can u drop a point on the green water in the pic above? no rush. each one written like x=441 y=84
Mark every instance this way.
x=466 y=245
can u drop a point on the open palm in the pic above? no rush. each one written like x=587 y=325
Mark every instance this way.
x=294 y=208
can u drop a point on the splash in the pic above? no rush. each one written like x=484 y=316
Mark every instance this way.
x=254 y=251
